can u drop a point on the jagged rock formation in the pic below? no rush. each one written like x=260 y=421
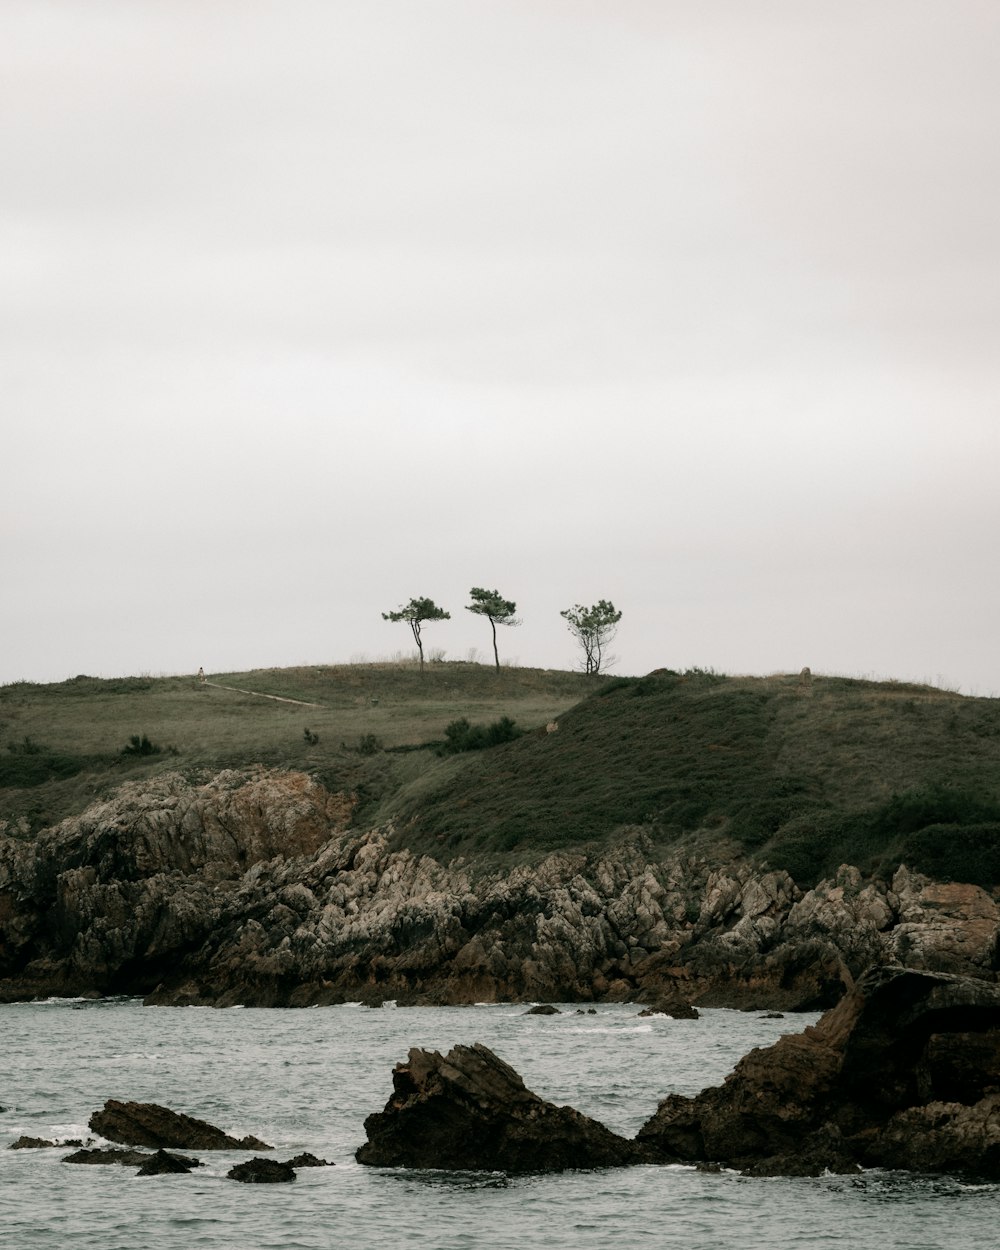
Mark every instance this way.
x=470 y=1110
x=148 y=1124
x=252 y=889
x=903 y=1073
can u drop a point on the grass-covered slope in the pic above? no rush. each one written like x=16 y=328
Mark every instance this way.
x=65 y=743
x=803 y=775
x=798 y=773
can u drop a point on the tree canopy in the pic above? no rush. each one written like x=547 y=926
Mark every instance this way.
x=496 y=609
x=416 y=613
x=594 y=628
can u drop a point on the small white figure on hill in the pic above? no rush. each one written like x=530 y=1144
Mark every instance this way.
x=201 y=675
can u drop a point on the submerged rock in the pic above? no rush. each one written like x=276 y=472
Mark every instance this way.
x=671 y=1005
x=903 y=1073
x=38 y=1143
x=468 y=1110
x=148 y=1124
x=543 y=1009
x=262 y=1172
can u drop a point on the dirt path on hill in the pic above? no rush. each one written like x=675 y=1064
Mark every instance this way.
x=277 y=697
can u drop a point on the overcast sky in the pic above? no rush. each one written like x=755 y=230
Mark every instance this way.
x=308 y=308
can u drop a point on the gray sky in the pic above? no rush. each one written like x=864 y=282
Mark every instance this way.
x=308 y=308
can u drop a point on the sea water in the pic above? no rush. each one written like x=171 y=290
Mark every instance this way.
x=306 y=1079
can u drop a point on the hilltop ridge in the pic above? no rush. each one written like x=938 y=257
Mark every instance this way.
x=798 y=772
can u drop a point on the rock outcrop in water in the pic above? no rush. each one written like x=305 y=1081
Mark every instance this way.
x=262 y=1172
x=148 y=1124
x=903 y=1073
x=468 y=1110
x=102 y=1156
x=165 y=1163
x=252 y=889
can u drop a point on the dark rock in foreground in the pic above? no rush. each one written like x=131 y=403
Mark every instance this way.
x=262 y=1172
x=127 y=1158
x=37 y=1143
x=147 y=1124
x=543 y=1009
x=903 y=1073
x=308 y=1160
x=468 y=1110
x=164 y=1164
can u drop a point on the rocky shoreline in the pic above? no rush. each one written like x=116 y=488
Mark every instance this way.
x=904 y=1073
x=253 y=889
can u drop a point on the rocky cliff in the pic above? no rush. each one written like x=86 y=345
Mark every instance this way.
x=903 y=1073
x=253 y=888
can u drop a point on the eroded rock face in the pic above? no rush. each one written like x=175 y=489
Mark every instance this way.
x=468 y=1110
x=250 y=889
x=148 y=1124
x=865 y=1086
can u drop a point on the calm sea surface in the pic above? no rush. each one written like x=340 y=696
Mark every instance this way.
x=305 y=1080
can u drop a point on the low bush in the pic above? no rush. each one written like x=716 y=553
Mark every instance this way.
x=461 y=736
x=141 y=746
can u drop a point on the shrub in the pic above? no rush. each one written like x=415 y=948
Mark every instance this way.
x=461 y=736
x=933 y=805
x=141 y=746
x=26 y=747
x=957 y=852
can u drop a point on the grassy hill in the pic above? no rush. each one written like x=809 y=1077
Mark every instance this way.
x=62 y=744
x=797 y=773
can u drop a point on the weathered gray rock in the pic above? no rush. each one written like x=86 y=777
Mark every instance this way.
x=148 y=1124
x=251 y=889
x=468 y=1110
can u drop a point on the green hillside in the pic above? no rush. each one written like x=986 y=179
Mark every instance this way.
x=62 y=744
x=799 y=774
x=796 y=772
